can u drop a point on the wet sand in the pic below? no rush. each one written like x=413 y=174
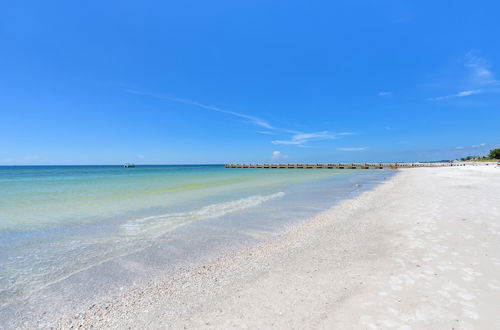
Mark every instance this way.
x=420 y=251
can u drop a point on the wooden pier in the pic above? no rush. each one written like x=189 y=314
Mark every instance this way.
x=352 y=166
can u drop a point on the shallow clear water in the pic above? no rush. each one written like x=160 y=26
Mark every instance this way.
x=57 y=221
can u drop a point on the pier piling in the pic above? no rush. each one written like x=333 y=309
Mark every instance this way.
x=352 y=166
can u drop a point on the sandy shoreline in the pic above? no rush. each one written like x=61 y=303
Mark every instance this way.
x=419 y=251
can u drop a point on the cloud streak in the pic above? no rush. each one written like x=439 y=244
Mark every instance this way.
x=479 y=69
x=253 y=120
x=480 y=78
x=474 y=146
x=353 y=149
x=459 y=94
x=298 y=138
x=301 y=139
x=478 y=145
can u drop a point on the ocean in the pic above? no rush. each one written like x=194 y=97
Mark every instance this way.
x=76 y=230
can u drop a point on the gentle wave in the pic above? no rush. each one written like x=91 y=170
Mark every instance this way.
x=21 y=275
x=159 y=224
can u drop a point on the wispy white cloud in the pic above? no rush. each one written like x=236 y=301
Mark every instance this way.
x=480 y=79
x=478 y=145
x=266 y=132
x=388 y=128
x=301 y=139
x=353 y=148
x=140 y=156
x=277 y=155
x=345 y=133
x=479 y=69
x=251 y=119
x=297 y=138
x=384 y=93
x=470 y=147
x=467 y=93
x=459 y=94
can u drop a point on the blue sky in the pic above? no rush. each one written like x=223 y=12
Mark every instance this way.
x=162 y=82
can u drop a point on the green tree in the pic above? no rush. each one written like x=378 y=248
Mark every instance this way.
x=494 y=153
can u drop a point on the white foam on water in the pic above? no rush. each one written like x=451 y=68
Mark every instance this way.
x=159 y=224
x=22 y=275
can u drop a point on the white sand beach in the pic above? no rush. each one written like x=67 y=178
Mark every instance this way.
x=421 y=251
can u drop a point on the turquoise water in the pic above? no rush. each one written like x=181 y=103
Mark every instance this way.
x=56 y=221
x=41 y=196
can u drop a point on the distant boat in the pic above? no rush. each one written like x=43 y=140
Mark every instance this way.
x=128 y=165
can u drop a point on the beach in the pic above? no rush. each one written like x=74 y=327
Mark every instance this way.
x=75 y=236
x=249 y=165
x=419 y=251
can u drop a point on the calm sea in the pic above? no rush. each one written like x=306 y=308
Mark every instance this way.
x=60 y=221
